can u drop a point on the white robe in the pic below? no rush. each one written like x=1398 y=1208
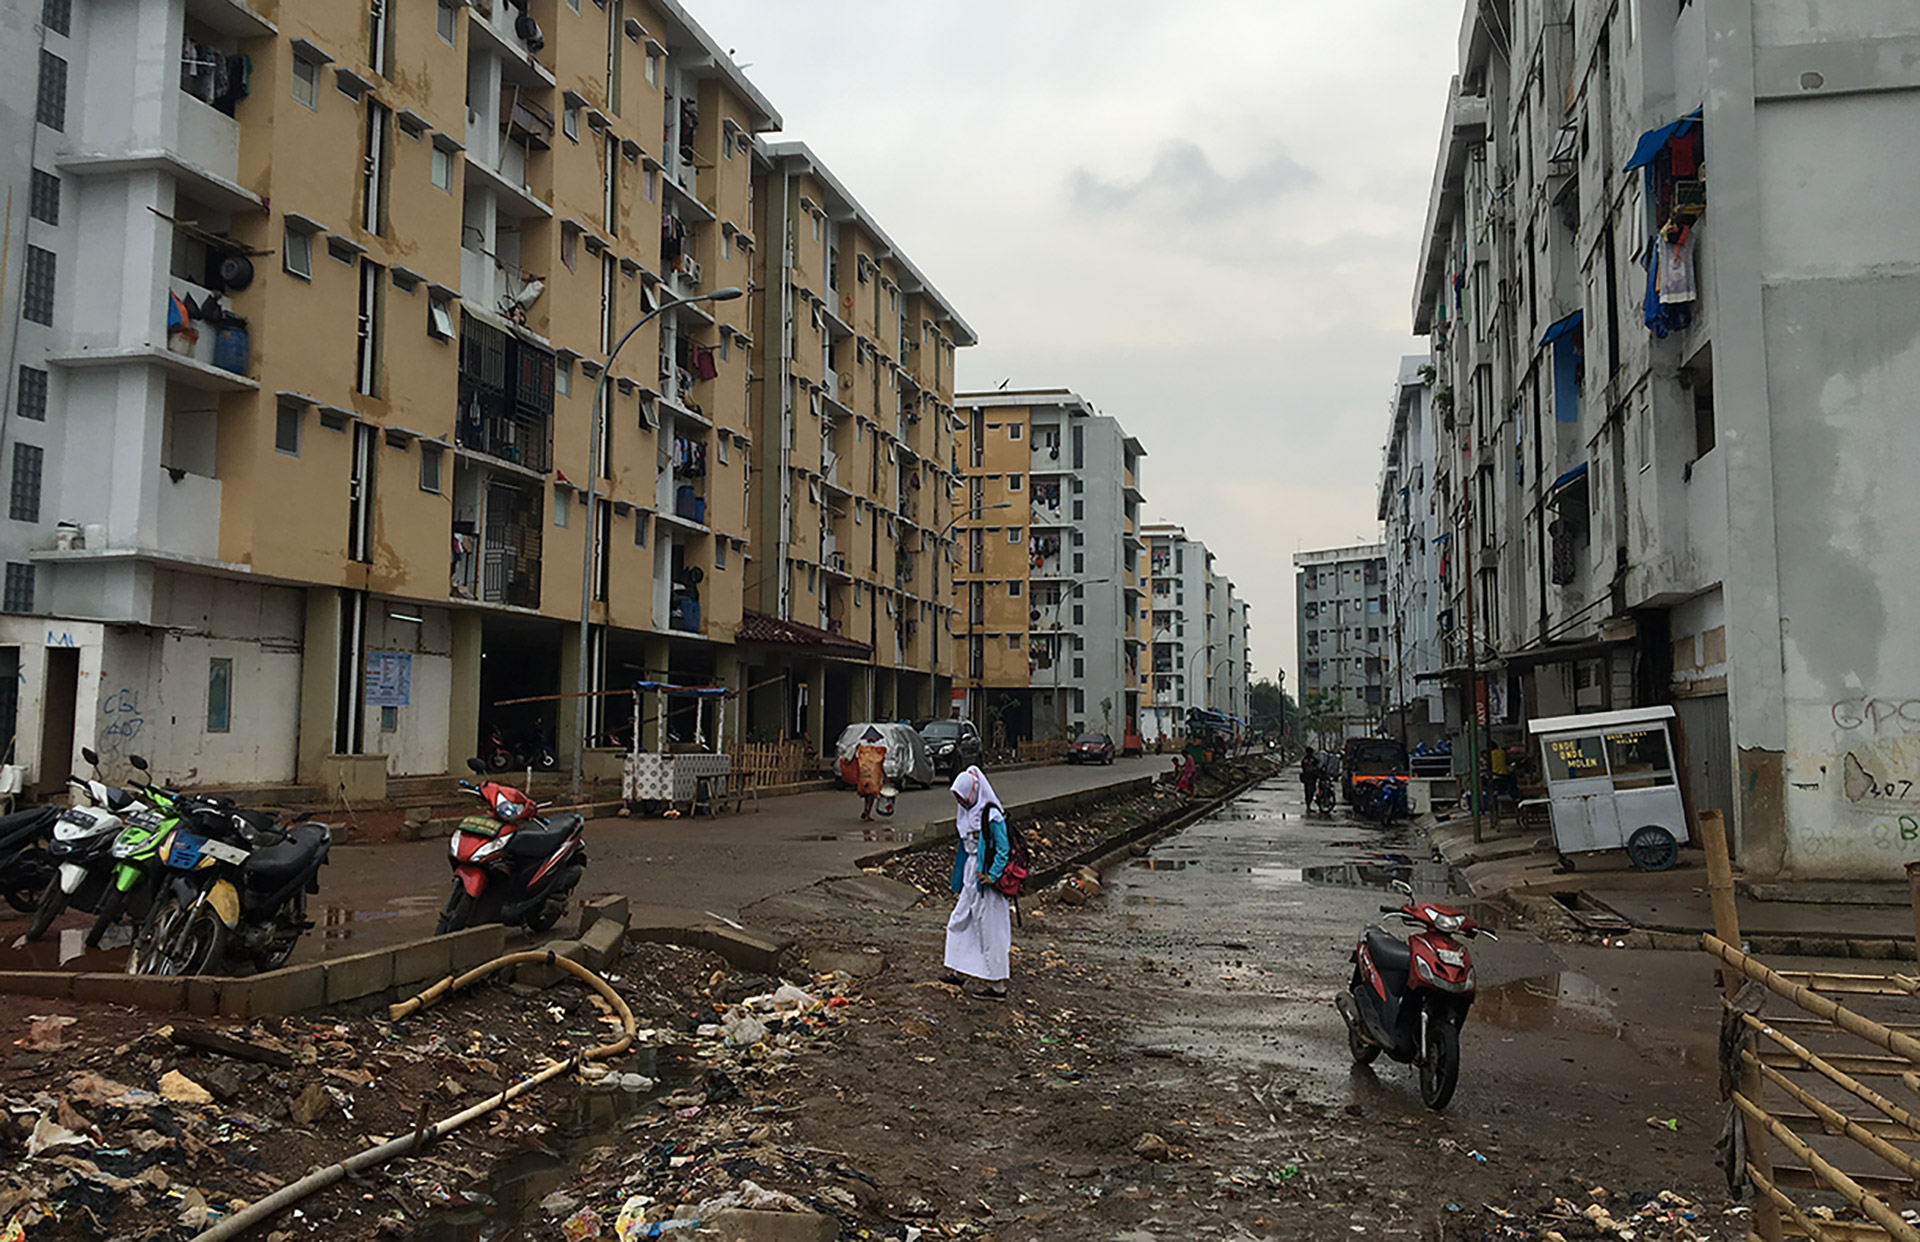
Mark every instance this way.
x=980 y=929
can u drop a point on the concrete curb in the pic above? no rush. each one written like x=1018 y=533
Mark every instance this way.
x=1133 y=844
x=936 y=832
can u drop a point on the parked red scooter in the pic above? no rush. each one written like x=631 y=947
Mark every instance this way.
x=511 y=865
x=1409 y=998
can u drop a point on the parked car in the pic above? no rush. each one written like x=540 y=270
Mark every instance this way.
x=1091 y=748
x=952 y=745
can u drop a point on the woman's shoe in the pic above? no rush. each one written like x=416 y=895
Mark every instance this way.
x=991 y=993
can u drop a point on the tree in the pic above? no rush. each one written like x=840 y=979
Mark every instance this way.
x=1322 y=713
x=1269 y=706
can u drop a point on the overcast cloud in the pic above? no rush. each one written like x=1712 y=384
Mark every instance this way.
x=1202 y=217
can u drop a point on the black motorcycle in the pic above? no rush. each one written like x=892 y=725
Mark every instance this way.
x=26 y=867
x=235 y=885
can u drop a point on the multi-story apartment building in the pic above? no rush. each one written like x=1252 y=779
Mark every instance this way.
x=1671 y=331
x=1409 y=516
x=1345 y=638
x=1048 y=581
x=311 y=306
x=1197 y=632
x=851 y=588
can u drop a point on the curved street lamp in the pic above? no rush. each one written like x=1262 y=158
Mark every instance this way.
x=599 y=414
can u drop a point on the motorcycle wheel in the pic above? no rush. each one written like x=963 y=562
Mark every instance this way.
x=1363 y=1049
x=25 y=886
x=111 y=909
x=290 y=924
x=1440 y=1066
x=547 y=761
x=458 y=912
x=52 y=902
x=199 y=944
x=143 y=956
x=548 y=914
x=499 y=761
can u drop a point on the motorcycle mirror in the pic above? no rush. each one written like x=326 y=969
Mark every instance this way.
x=477 y=766
x=1403 y=888
x=88 y=753
x=138 y=761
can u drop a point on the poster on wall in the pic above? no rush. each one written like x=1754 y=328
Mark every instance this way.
x=389 y=678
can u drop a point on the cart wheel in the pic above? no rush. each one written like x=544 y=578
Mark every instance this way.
x=1652 y=848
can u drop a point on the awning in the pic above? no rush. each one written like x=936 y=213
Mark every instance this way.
x=1560 y=328
x=1651 y=141
x=692 y=692
x=1587 y=649
x=1570 y=477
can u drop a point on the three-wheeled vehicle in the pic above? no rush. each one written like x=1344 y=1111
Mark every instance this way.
x=1368 y=762
x=1611 y=784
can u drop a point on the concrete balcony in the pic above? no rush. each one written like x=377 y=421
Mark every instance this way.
x=189 y=517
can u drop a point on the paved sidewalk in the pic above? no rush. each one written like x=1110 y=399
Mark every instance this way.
x=676 y=872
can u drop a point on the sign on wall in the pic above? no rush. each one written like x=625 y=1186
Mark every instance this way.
x=389 y=678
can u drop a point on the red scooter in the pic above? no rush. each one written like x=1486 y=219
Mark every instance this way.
x=1409 y=998
x=511 y=865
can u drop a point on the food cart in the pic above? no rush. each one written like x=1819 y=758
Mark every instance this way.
x=694 y=776
x=1611 y=784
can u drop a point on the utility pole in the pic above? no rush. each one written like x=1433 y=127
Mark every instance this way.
x=1469 y=553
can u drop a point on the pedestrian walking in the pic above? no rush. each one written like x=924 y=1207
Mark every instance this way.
x=980 y=929
x=870 y=769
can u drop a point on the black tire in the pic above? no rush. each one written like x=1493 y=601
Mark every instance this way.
x=458 y=912
x=1652 y=848
x=499 y=761
x=543 y=919
x=1439 y=1062
x=141 y=955
x=199 y=946
x=275 y=955
x=112 y=906
x=25 y=897
x=53 y=902
x=1363 y=1049
x=548 y=761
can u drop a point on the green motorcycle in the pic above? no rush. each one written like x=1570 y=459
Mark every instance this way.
x=135 y=855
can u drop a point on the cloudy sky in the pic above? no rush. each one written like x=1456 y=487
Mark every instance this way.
x=1203 y=217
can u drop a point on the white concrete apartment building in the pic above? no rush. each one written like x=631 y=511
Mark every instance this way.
x=1344 y=631
x=1197 y=632
x=1416 y=546
x=1049 y=581
x=1670 y=278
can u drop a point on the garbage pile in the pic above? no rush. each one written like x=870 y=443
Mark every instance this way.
x=1641 y=1216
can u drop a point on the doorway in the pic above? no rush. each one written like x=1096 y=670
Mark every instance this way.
x=58 y=708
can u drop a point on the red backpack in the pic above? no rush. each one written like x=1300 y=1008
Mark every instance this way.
x=1019 y=862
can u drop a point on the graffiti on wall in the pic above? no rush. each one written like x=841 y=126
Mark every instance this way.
x=1859 y=782
x=120 y=721
x=1877 y=715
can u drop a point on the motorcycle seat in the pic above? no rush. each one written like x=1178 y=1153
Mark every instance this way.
x=118 y=799
x=541 y=839
x=273 y=865
x=1390 y=954
x=258 y=820
x=30 y=817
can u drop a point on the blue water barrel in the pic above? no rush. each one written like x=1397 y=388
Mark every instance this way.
x=230 y=349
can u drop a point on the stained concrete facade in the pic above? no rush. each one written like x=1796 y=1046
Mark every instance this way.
x=1412 y=531
x=1696 y=505
x=1344 y=630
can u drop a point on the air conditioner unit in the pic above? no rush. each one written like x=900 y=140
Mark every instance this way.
x=690 y=268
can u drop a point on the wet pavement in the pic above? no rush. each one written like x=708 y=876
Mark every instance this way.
x=1240 y=928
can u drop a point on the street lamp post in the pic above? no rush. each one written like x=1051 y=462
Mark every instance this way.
x=583 y=671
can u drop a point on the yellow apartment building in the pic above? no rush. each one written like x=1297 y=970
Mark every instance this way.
x=1051 y=580
x=300 y=431
x=849 y=594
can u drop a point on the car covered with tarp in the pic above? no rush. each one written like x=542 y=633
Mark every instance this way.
x=906 y=760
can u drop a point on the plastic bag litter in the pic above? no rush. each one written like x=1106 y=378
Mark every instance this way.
x=582 y=1225
x=744 y=1032
x=787 y=994
x=753 y=1197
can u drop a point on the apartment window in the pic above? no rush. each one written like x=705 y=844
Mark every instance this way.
x=608 y=293
x=562 y=501
x=18 y=595
x=219 y=694
x=439 y=317
x=31 y=404
x=446 y=21
x=816 y=228
x=1079 y=510
x=1013 y=642
x=306 y=83
x=1013 y=482
x=372 y=302
x=1079 y=670
x=570 y=121
x=719 y=554
x=440 y=168
x=653 y=67
x=1079 y=614
x=373 y=169
x=640 y=528
x=296 y=252
x=28 y=459
x=1079 y=451
x=36 y=300
x=45 y=203
x=720 y=447
x=1013 y=431
x=431 y=456
x=286 y=428
x=1013 y=589
x=563 y=377
x=379 y=35
x=1079 y=563
x=360 y=495
x=1013 y=534
x=611 y=190
x=812 y=575
x=57 y=16
x=51 y=107
x=650 y=184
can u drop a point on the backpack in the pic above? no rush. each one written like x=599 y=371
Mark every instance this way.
x=1019 y=861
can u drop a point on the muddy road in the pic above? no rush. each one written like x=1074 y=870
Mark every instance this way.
x=1172 y=1064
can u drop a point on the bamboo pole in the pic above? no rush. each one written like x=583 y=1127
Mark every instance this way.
x=1812 y=1228
x=1869 y=1205
x=1913 y=884
x=1836 y=1122
x=1838 y=1077
x=1847 y=1020
x=1726 y=915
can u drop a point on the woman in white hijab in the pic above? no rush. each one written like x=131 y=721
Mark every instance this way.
x=980 y=930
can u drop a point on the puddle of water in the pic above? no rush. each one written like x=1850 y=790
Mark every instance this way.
x=1566 y=1000
x=904 y=834
x=66 y=949
x=1161 y=864
x=506 y=1205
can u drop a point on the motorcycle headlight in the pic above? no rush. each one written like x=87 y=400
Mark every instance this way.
x=1449 y=922
x=489 y=849
x=507 y=808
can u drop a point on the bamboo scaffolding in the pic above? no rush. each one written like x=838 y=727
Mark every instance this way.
x=1839 y=1182
x=1821 y=1065
x=1836 y=1122
x=1847 y=1020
